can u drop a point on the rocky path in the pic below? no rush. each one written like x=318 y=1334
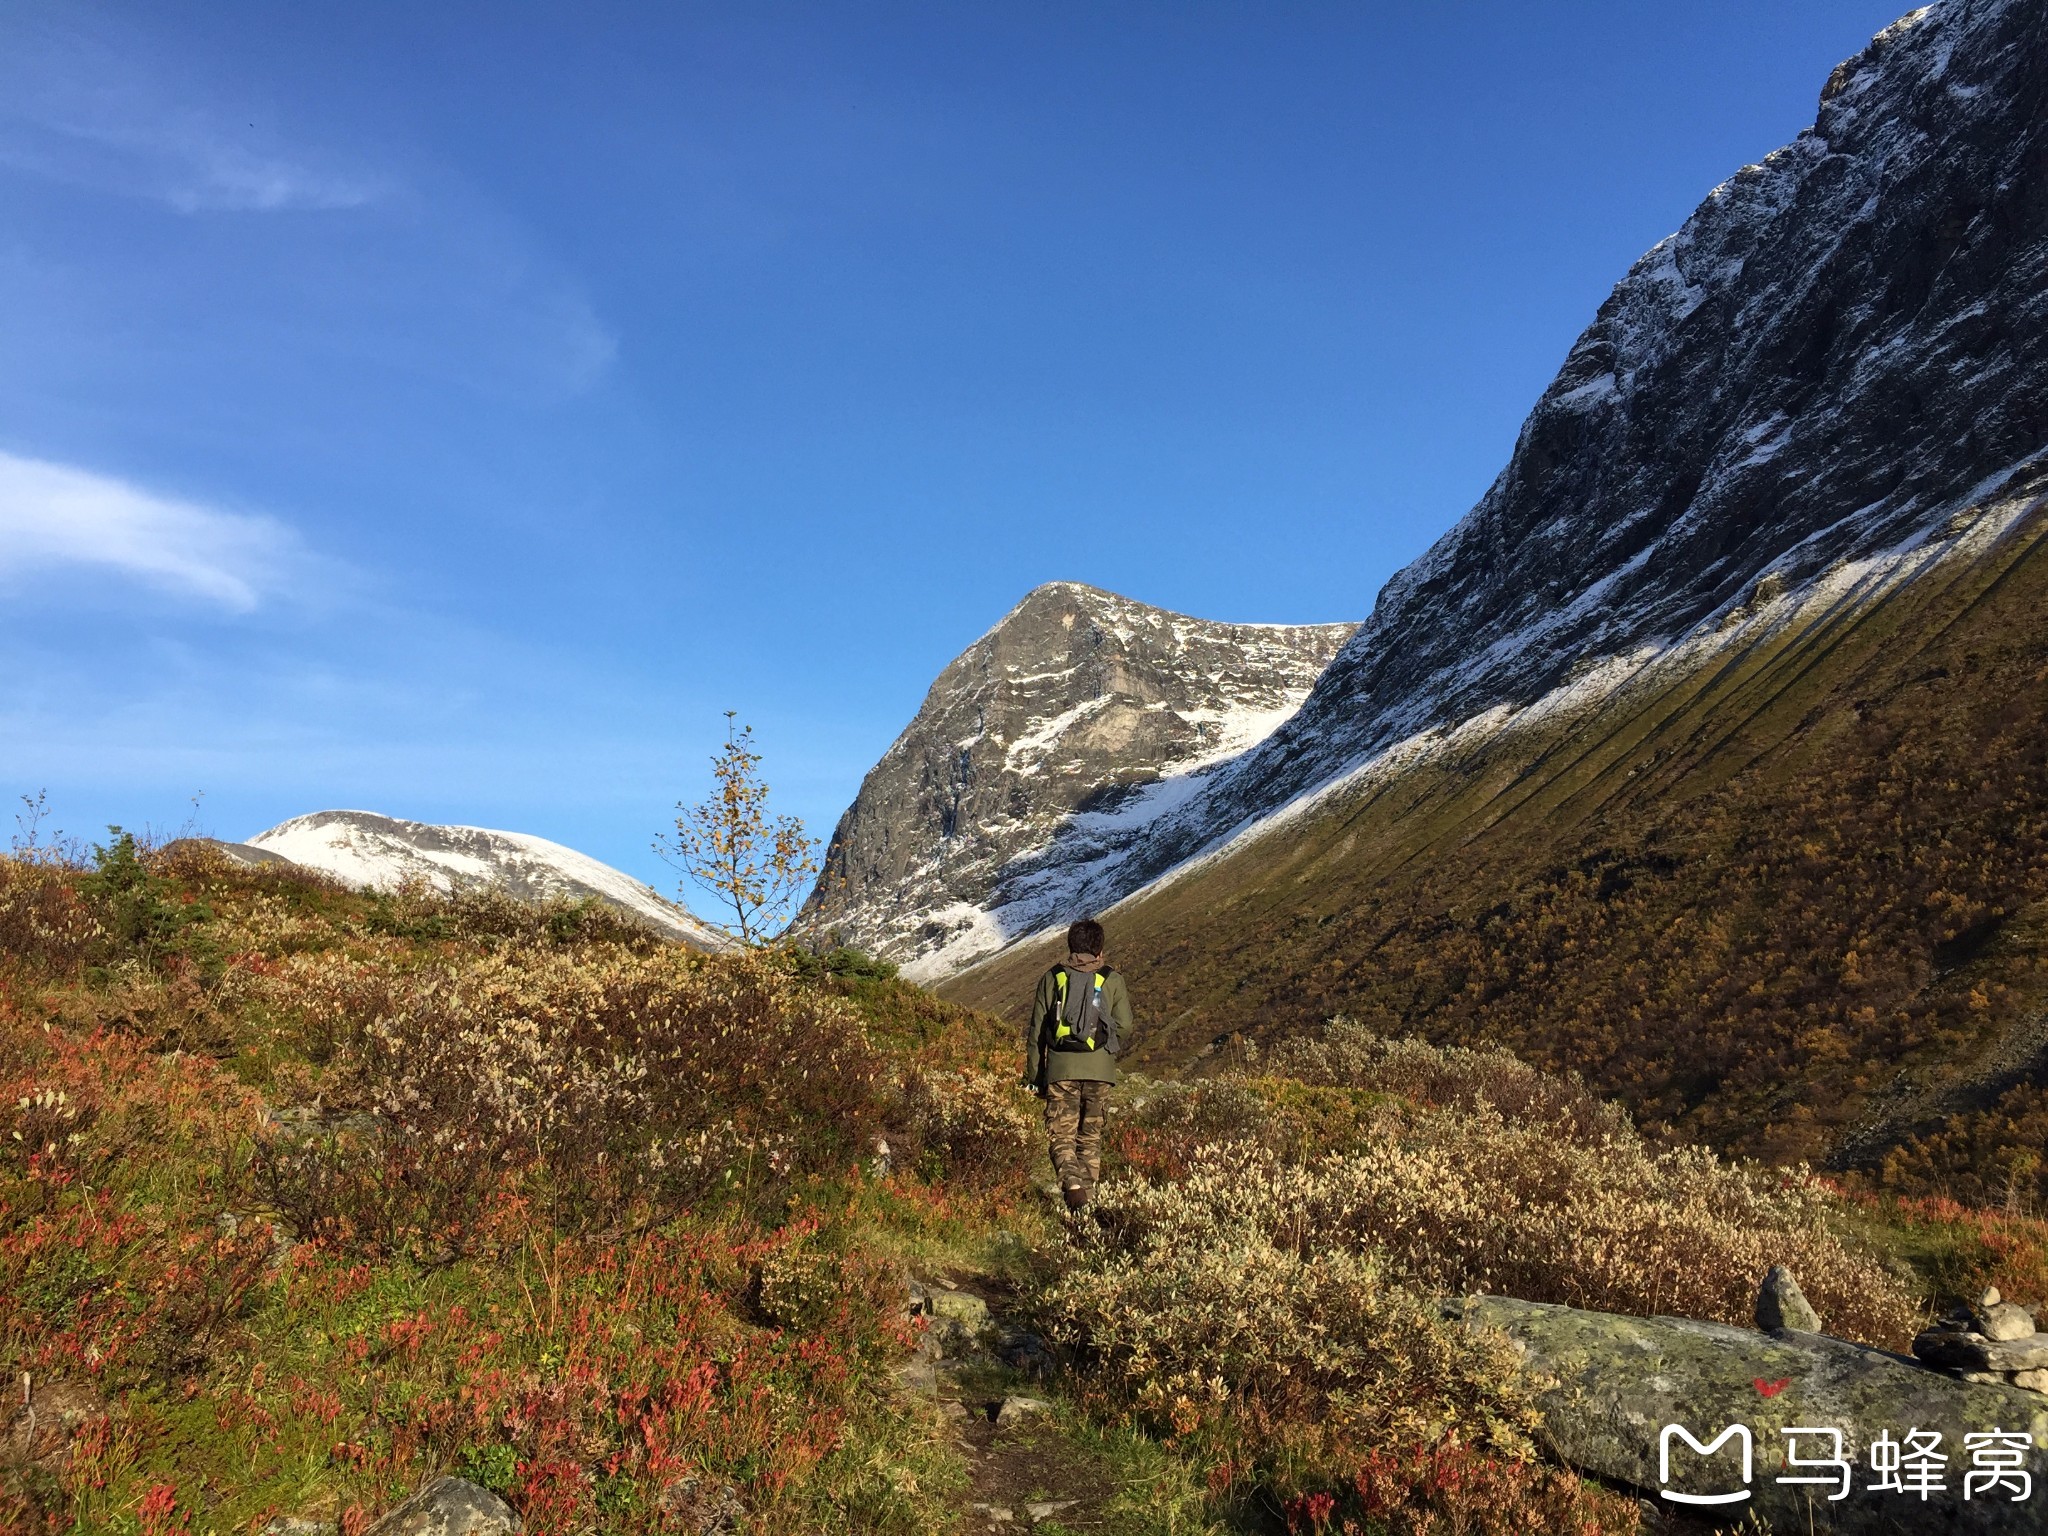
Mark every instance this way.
x=1026 y=1471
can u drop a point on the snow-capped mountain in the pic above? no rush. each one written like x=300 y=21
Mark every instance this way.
x=1049 y=746
x=1836 y=366
x=383 y=852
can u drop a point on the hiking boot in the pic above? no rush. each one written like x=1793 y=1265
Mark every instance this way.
x=1076 y=1198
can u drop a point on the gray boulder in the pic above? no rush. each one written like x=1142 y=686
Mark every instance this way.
x=2006 y=1321
x=448 y=1506
x=1617 y=1392
x=1781 y=1304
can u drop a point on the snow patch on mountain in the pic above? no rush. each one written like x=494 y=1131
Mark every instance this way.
x=385 y=852
x=1961 y=530
x=1058 y=736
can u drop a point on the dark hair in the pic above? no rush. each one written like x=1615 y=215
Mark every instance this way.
x=1085 y=937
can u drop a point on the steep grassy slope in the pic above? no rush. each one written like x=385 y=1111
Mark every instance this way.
x=1789 y=900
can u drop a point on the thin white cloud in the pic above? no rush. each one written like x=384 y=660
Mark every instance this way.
x=418 y=271
x=54 y=516
x=186 y=164
x=83 y=104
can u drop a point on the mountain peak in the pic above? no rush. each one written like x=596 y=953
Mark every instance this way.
x=1051 y=740
x=1841 y=353
x=369 y=849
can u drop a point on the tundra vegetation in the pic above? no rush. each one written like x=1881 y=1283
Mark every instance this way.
x=308 y=1194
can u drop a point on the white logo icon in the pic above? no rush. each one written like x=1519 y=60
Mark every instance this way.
x=1736 y=1432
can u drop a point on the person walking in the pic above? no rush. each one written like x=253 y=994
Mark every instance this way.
x=1080 y=1022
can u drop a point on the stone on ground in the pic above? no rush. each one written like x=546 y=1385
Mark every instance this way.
x=1781 y=1304
x=449 y=1506
x=1012 y=1409
x=2004 y=1322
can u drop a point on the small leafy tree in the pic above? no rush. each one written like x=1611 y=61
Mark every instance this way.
x=758 y=864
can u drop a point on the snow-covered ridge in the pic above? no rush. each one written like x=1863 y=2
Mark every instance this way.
x=384 y=852
x=1842 y=342
x=1055 y=738
x=1961 y=531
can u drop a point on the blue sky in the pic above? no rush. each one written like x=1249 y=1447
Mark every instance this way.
x=450 y=410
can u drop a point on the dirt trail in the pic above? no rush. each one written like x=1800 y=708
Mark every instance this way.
x=1025 y=1473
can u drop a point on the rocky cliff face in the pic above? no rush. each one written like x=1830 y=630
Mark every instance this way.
x=1843 y=354
x=384 y=852
x=1048 y=748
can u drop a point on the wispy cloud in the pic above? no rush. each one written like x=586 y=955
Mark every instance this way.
x=80 y=104
x=417 y=268
x=54 y=516
x=185 y=163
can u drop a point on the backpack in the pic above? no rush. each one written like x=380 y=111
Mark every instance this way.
x=1077 y=1022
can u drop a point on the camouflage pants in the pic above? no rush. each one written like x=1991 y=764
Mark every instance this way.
x=1073 y=1128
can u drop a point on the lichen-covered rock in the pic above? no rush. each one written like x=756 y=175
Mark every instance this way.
x=1781 y=1304
x=960 y=1321
x=1610 y=1385
x=448 y=1506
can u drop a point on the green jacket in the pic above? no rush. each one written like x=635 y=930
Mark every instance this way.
x=1042 y=1066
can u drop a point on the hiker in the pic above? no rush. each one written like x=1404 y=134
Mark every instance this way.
x=1080 y=1019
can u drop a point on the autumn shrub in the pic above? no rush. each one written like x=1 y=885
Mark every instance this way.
x=1191 y=1300
x=1449 y=1489
x=487 y=916
x=808 y=1285
x=1348 y=1055
x=46 y=927
x=968 y=1127
x=89 y=1287
x=1466 y=1201
x=1988 y=1156
x=619 y=1086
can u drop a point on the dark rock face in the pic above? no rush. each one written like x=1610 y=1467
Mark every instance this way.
x=1047 y=748
x=1608 y=1385
x=1842 y=352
